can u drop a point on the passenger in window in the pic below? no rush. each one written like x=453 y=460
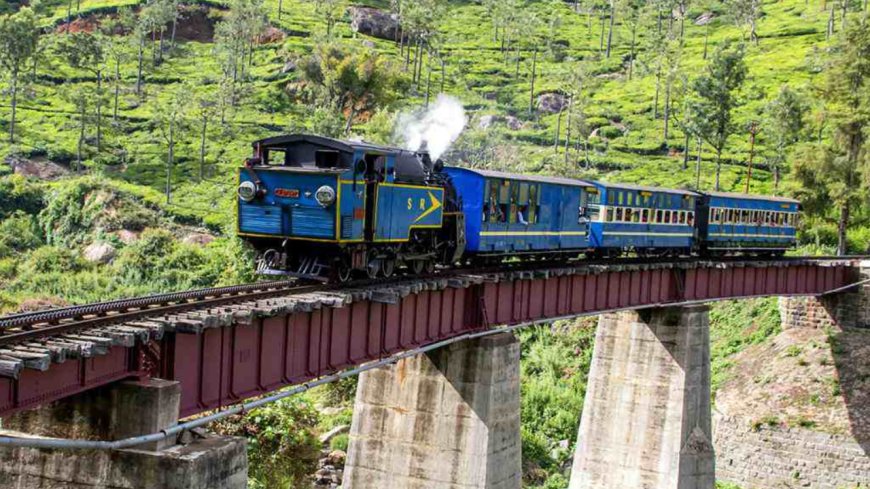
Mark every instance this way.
x=521 y=215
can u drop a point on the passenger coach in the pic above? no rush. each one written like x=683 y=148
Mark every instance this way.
x=748 y=223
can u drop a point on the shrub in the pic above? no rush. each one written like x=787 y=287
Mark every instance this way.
x=17 y=194
x=339 y=442
x=282 y=444
x=51 y=259
x=18 y=232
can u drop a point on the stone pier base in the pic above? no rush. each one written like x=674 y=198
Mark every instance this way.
x=448 y=419
x=119 y=411
x=646 y=421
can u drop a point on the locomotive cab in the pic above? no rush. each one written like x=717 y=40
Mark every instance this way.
x=317 y=206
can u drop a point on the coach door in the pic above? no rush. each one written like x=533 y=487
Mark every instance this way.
x=376 y=172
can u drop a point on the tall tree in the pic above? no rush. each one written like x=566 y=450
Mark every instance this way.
x=635 y=11
x=784 y=124
x=746 y=14
x=715 y=97
x=204 y=109
x=86 y=51
x=19 y=40
x=838 y=172
x=170 y=118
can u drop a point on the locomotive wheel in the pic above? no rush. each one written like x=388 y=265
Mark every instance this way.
x=388 y=267
x=416 y=266
x=373 y=267
x=343 y=273
x=429 y=265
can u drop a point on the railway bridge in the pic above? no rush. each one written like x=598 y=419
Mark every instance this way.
x=114 y=394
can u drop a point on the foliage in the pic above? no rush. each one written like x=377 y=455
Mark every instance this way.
x=554 y=370
x=715 y=99
x=18 y=194
x=19 y=37
x=784 y=123
x=838 y=172
x=736 y=325
x=18 y=232
x=282 y=444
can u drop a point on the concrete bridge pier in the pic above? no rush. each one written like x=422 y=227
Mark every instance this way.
x=646 y=421
x=121 y=410
x=443 y=420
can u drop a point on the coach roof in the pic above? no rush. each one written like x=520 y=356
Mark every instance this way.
x=528 y=178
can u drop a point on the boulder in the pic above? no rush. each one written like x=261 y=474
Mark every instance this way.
x=486 y=121
x=336 y=458
x=552 y=102
x=40 y=168
x=200 y=239
x=513 y=123
x=289 y=66
x=126 y=236
x=705 y=18
x=99 y=252
x=374 y=22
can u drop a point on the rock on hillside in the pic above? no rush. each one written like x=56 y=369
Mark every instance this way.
x=803 y=377
x=40 y=168
x=373 y=22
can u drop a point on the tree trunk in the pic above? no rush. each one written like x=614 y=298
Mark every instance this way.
x=82 y=118
x=558 y=131
x=776 y=179
x=443 y=73
x=706 y=37
x=202 y=148
x=428 y=78
x=667 y=110
x=139 y=70
x=174 y=28
x=68 y=15
x=718 y=167
x=517 y=63
x=350 y=117
x=568 y=127
x=280 y=8
x=842 y=226
x=117 y=89
x=658 y=89
x=170 y=160
x=160 y=48
x=99 y=111
x=686 y=153
x=631 y=58
x=14 y=105
x=532 y=89
x=610 y=30
x=698 y=167
x=601 y=37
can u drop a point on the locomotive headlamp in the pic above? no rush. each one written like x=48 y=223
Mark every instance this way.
x=247 y=191
x=325 y=195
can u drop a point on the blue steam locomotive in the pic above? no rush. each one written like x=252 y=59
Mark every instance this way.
x=315 y=206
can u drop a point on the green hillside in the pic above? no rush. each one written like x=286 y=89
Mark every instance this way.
x=89 y=218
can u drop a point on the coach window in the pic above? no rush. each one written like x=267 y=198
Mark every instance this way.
x=504 y=200
x=611 y=197
x=659 y=216
x=609 y=214
x=534 y=203
x=619 y=214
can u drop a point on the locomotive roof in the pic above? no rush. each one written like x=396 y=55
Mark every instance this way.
x=528 y=178
x=648 y=188
x=336 y=144
x=734 y=195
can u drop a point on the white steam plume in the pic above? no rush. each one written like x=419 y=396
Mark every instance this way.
x=437 y=126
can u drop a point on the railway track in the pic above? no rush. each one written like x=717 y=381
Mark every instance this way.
x=39 y=325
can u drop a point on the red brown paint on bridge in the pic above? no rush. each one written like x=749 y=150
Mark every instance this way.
x=225 y=355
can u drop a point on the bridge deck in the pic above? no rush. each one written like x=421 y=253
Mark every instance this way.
x=222 y=355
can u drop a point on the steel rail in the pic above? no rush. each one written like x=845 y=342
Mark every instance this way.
x=40 y=324
x=77 y=444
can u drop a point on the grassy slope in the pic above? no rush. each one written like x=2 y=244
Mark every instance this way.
x=791 y=46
